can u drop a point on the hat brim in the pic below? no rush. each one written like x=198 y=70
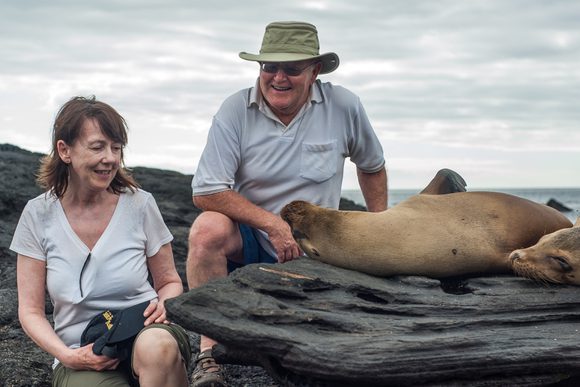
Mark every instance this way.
x=329 y=60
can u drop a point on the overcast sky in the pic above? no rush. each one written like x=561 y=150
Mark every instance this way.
x=490 y=88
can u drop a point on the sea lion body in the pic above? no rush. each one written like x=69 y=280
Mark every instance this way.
x=433 y=235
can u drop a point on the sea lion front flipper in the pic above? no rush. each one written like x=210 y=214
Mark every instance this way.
x=445 y=181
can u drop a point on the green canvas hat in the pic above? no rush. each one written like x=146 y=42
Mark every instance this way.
x=292 y=41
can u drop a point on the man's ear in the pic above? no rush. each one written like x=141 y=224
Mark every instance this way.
x=315 y=72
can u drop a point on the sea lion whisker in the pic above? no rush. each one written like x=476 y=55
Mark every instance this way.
x=539 y=277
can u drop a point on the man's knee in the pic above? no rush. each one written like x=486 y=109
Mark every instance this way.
x=213 y=234
x=209 y=228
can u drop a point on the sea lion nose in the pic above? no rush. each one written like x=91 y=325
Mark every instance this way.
x=514 y=256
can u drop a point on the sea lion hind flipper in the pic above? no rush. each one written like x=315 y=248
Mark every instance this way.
x=445 y=181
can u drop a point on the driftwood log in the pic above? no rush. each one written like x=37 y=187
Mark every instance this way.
x=309 y=323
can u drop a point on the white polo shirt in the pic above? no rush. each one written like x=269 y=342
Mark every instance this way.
x=252 y=152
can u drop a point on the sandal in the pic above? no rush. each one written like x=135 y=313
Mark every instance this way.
x=207 y=372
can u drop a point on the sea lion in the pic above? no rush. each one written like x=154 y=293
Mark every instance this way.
x=431 y=234
x=555 y=258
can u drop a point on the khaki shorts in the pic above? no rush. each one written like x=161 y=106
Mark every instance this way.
x=123 y=375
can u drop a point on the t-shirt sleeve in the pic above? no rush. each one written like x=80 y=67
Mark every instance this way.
x=365 y=148
x=220 y=159
x=154 y=227
x=28 y=235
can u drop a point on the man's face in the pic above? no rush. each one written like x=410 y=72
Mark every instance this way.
x=287 y=93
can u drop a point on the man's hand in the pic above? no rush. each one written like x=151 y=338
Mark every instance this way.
x=281 y=238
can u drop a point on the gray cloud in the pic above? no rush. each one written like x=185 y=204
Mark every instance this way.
x=480 y=86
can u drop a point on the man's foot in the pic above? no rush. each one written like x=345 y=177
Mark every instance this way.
x=207 y=372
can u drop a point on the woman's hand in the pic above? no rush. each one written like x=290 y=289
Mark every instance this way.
x=155 y=313
x=83 y=358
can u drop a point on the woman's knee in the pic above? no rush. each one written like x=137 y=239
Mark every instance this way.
x=155 y=347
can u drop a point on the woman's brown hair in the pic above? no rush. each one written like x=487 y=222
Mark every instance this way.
x=53 y=173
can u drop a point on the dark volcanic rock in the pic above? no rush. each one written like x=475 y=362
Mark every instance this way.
x=349 y=205
x=309 y=323
x=558 y=206
x=23 y=363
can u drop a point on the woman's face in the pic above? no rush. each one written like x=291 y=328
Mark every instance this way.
x=94 y=159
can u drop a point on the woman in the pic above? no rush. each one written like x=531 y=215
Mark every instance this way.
x=91 y=240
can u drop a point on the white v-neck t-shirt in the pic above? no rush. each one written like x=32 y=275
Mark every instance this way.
x=115 y=276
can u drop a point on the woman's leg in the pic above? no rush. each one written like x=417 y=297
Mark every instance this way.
x=161 y=354
x=63 y=376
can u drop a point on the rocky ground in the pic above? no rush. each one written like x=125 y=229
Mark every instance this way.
x=23 y=363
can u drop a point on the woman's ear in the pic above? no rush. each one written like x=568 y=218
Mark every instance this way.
x=63 y=151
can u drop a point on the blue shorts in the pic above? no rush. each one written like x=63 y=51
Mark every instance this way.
x=253 y=250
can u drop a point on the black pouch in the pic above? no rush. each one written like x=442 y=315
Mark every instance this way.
x=113 y=331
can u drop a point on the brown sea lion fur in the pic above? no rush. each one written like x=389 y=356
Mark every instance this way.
x=428 y=234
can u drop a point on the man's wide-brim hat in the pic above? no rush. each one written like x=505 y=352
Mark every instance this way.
x=290 y=42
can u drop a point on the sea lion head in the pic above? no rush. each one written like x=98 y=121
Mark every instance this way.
x=307 y=222
x=555 y=258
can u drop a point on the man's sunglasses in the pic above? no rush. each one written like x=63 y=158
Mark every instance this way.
x=288 y=69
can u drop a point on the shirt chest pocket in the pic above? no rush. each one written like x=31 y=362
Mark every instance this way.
x=318 y=161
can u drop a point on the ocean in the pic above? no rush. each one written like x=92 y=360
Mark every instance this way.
x=570 y=197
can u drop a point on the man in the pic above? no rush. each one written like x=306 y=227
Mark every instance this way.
x=284 y=139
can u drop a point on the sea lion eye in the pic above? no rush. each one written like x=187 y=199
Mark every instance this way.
x=563 y=264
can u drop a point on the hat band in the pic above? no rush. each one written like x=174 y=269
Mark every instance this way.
x=288 y=48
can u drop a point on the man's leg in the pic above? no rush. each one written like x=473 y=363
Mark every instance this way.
x=213 y=239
